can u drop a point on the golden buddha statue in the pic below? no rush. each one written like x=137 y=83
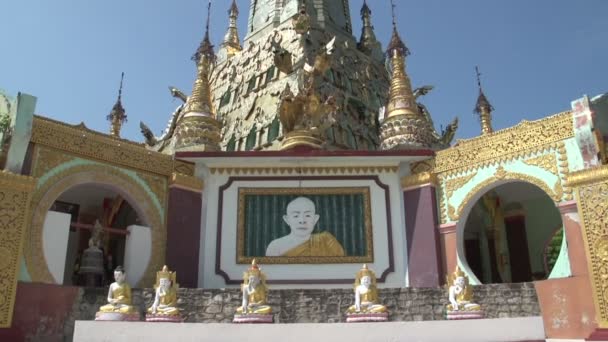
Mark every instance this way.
x=366 y=294
x=165 y=300
x=119 y=295
x=254 y=292
x=460 y=294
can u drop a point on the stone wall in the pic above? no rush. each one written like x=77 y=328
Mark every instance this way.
x=321 y=306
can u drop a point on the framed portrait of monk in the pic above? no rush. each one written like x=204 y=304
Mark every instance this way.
x=304 y=225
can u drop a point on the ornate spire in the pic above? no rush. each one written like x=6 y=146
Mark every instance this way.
x=117 y=116
x=404 y=126
x=231 y=42
x=396 y=44
x=401 y=98
x=197 y=129
x=368 y=42
x=483 y=108
x=205 y=48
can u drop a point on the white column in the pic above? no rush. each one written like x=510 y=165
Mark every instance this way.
x=137 y=253
x=55 y=242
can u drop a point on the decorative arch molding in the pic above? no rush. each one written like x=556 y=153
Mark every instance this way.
x=500 y=177
x=555 y=192
x=103 y=175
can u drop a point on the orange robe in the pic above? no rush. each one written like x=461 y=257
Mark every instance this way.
x=321 y=244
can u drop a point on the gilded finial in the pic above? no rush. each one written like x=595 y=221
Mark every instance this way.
x=198 y=129
x=200 y=100
x=231 y=41
x=396 y=45
x=401 y=97
x=483 y=107
x=117 y=116
x=205 y=49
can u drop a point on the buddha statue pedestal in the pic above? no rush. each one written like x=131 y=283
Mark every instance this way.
x=253 y=318
x=366 y=317
x=460 y=295
x=254 y=308
x=164 y=318
x=164 y=308
x=367 y=307
x=117 y=316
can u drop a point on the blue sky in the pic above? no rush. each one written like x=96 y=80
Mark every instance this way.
x=535 y=56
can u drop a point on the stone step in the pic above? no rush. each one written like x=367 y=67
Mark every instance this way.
x=482 y=330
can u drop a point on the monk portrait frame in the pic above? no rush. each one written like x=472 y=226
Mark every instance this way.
x=341 y=217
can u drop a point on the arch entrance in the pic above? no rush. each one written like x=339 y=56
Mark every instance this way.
x=510 y=232
x=98 y=193
x=79 y=209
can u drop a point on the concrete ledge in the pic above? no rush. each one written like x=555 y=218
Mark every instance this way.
x=486 y=330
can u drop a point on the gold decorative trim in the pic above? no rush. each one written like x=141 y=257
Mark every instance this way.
x=587 y=176
x=592 y=198
x=547 y=162
x=157 y=184
x=423 y=166
x=499 y=175
x=15 y=182
x=15 y=193
x=185 y=168
x=368 y=258
x=452 y=185
x=49 y=191
x=47 y=159
x=84 y=142
x=304 y=170
x=564 y=170
x=505 y=144
x=188 y=182
x=418 y=180
x=442 y=200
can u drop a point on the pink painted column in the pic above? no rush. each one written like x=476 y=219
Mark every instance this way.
x=574 y=236
x=449 y=255
x=183 y=233
x=423 y=247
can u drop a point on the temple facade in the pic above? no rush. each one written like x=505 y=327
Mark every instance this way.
x=305 y=148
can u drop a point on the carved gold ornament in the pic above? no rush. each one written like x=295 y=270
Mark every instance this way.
x=505 y=145
x=418 y=180
x=338 y=170
x=452 y=185
x=83 y=142
x=187 y=182
x=591 y=187
x=15 y=192
x=547 y=162
x=47 y=192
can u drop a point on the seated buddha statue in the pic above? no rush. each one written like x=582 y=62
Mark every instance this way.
x=254 y=292
x=165 y=299
x=366 y=293
x=119 y=295
x=460 y=294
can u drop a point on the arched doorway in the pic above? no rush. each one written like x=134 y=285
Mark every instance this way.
x=148 y=254
x=512 y=233
x=79 y=208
